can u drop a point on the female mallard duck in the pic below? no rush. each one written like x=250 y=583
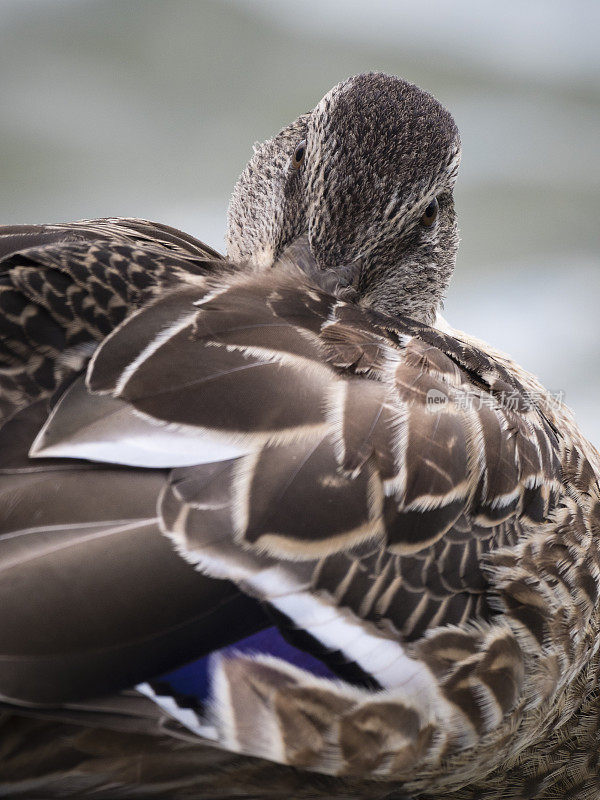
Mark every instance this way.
x=375 y=538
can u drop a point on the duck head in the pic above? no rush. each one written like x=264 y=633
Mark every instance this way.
x=365 y=180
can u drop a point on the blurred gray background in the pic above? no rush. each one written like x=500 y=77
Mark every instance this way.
x=149 y=108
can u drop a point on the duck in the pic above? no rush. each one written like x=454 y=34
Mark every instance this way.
x=270 y=527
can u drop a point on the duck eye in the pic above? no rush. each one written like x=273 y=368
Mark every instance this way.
x=430 y=214
x=299 y=154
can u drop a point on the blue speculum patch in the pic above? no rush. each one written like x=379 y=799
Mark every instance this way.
x=194 y=679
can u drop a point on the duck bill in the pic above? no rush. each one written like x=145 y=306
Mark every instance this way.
x=340 y=280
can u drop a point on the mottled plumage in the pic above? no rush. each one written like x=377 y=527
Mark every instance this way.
x=289 y=444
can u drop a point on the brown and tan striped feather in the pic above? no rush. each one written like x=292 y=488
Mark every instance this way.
x=64 y=287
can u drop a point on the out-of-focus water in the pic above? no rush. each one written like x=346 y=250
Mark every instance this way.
x=149 y=108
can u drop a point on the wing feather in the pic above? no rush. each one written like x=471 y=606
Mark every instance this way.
x=112 y=603
x=65 y=287
x=429 y=487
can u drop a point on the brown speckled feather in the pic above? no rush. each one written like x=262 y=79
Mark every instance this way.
x=64 y=287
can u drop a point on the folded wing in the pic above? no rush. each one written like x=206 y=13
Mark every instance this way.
x=94 y=599
x=355 y=476
x=378 y=471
